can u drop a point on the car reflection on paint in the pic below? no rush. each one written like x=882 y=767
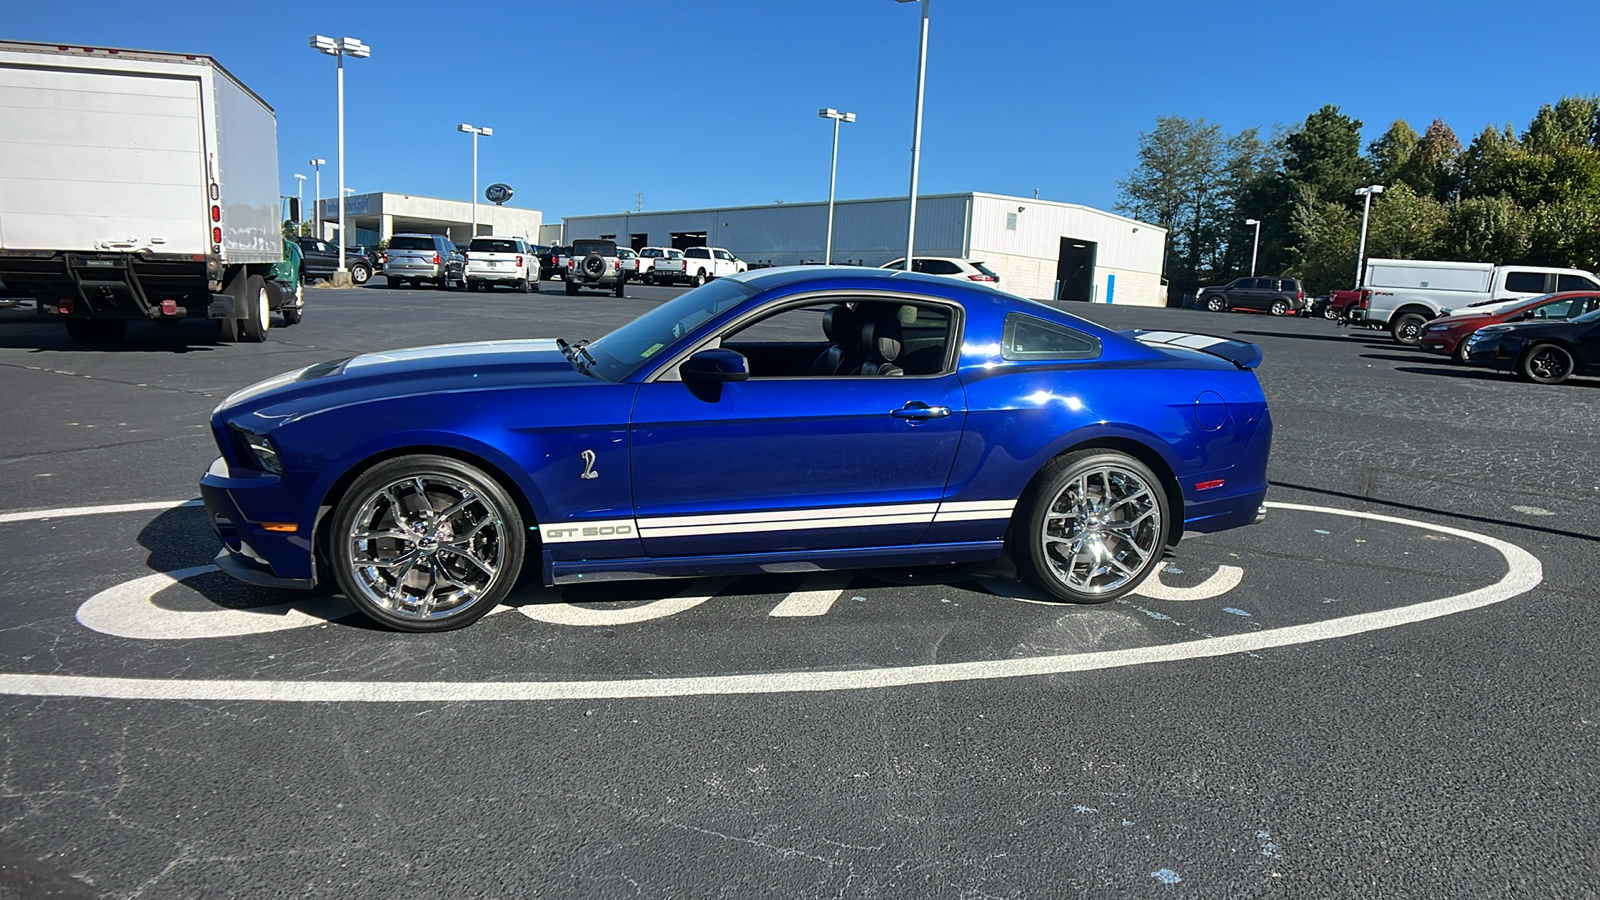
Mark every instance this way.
x=782 y=420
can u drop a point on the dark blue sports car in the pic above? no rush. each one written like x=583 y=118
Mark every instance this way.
x=783 y=420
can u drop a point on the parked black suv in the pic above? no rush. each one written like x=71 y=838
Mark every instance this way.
x=547 y=261
x=1279 y=296
x=320 y=259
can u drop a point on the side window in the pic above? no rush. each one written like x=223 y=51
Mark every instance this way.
x=942 y=267
x=1525 y=282
x=1561 y=309
x=697 y=253
x=832 y=339
x=1575 y=283
x=1026 y=337
x=723 y=254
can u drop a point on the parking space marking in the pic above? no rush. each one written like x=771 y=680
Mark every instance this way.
x=815 y=597
x=1523 y=573
x=72 y=511
x=128 y=610
x=1223 y=580
x=695 y=594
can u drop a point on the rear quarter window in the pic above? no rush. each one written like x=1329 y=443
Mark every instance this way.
x=1028 y=338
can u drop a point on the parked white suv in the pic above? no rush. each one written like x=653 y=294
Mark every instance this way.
x=698 y=265
x=510 y=261
x=951 y=266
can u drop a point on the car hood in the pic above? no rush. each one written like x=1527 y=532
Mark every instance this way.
x=442 y=367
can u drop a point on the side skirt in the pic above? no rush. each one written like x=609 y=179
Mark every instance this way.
x=582 y=571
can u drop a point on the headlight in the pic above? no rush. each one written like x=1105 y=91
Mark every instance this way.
x=260 y=447
x=1438 y=328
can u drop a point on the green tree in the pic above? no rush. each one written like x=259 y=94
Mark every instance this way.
x=1176 y=184
x=1571 y=122
x=1324 y=155
x=1324 y=233
x=1406 y=225
x=1392 y=152
x=1489 y=229
x=1431 y=170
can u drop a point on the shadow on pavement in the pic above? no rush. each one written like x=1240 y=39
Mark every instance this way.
x=1487 y=520
x=1341 y=338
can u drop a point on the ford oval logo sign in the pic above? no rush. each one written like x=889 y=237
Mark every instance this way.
x=497 y=193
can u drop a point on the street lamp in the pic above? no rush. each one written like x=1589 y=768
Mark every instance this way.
x=833 y=172
x=464 y=128
x=345 y=46
x=317 y=164
x=1256 y=246
x=300 y=203
x=1361 y=252
x=916 y=133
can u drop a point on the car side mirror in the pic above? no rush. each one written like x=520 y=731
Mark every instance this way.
x=706 y=372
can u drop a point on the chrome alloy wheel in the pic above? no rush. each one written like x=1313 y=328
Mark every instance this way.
x=1102 y=529
x=426 y=547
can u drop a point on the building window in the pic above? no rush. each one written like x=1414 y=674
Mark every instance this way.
x=1011 y=221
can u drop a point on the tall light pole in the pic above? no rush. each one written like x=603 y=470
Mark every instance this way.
x=916 y=133
x=1256 y=246
x=300 y=202
x=345 y=46
x=1361 y=252
x=833 y=172
x=316 y=217
x=464 y=128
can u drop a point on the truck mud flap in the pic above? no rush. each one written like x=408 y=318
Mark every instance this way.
x=222 y=307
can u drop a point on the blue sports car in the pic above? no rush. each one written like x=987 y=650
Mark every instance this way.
x=782 y=420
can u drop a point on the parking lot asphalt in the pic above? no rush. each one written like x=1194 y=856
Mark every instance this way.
x=1386 y=689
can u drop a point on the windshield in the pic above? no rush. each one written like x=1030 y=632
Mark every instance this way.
x=492 y=245
x=622 y=351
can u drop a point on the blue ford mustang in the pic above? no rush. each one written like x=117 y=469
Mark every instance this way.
x=782 y=420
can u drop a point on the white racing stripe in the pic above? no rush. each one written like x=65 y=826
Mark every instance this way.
x=1523 y=574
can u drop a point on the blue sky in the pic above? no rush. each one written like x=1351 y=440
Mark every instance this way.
x=714 y=103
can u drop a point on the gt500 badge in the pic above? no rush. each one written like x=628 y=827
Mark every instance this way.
x=593 y=531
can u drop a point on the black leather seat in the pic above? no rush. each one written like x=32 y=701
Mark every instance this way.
x=845 y=356
x=881 y=341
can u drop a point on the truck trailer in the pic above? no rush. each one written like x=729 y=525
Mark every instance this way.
x=138 y=185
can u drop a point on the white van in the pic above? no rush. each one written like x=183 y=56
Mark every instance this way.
x=1403 y=294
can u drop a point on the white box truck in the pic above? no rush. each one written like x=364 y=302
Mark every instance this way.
x=1401 y=295
x=137 y=184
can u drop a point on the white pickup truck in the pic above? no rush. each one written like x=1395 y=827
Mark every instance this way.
x=647 y=261
x=1401 y=295
x=697 y=266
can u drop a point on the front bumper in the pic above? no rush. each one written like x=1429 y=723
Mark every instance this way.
x=249 y=552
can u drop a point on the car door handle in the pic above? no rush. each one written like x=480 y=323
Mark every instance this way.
x=916 y=409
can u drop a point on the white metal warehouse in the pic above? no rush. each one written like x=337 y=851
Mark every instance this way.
x=1040 y=249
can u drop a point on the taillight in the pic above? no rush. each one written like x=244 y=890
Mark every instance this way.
x=1300 y=295
x=216 y=235
x=216 y=213
x=980 y=277
x=66 y=306
x=436 y=259
x=519 y=262
x=1366 y=297
x=383 y=259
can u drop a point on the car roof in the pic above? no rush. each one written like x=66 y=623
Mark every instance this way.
x=783 y=276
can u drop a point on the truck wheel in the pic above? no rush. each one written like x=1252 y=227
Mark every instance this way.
x=1407 y=328
x=698 y=279
x=650 y=278
x=1279 y=307
x=572 y=288
x=1216 y=304
x=1545 y=364
x=258 y=311
x=227 y=330
x=293 y=316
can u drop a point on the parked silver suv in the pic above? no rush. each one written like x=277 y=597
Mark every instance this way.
x=422 y=257
x=595 y=264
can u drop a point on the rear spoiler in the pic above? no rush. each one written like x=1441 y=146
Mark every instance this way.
x=1243 y=354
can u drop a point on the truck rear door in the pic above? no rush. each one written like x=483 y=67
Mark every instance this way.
x=93 y=159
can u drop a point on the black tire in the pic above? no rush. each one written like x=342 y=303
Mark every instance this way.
x=1328 y=312
x=1216 y=303
x=572 y=288
x=442 y=283
x=394 y=282
x=1407 y=328
x=228 y=330
x=650 y=278
x=257 y=312
x=1546 y=364
x=698 y=279
x=444 y=482
x=1459 y=354
x=1279 y=307
x=1135 y=549
x=525 y=286
x=621 y=285
x=293 y=316
x=360 y=273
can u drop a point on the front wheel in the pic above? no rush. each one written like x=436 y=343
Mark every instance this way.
x=426 y=543
x=1328 y=312
x=258 y=311
x=1545 y=364
x=360 y=274
x=1216 y=304
x=1093 y=527
x=1407 y=328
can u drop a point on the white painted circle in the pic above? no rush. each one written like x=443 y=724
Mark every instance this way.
x=1524 y=572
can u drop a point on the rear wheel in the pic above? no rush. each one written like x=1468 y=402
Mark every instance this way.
x=293 y=316
x=426 y=543
x=1093 y=527
x=1280 y=307
x=395 y=282
x=1216 y=304
x=1407 y=328
x=621 y=285
x=1545 y=364
x=572 y=288
x=258 y=311
x=698 y=279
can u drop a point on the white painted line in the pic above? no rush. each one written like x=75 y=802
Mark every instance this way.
x=1223 y=580
x=129 y=610
x=1523 y=574
x=70 y=511
x=572 y=614
x=815 y=597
